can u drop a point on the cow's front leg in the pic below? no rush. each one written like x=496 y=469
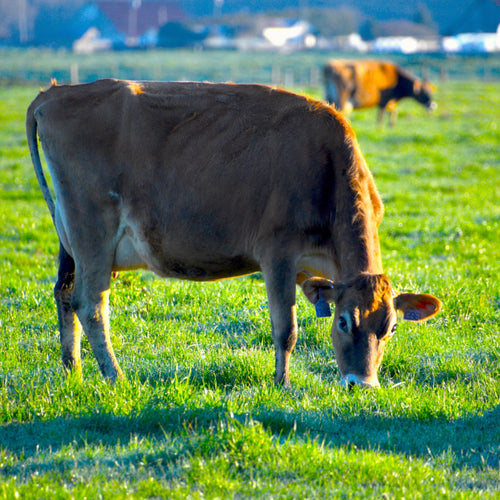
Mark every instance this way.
x=380 y=116
x=392 y=107
x=280 y=284
x=69 y=327
x=91 y=304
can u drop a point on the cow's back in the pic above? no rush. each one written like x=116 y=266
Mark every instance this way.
x=204 y=174
x=372 y=78
x=362 y=82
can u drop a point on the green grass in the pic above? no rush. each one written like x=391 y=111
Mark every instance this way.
x=199 y=417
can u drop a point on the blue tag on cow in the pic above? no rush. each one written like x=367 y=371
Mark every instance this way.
x=322 y=308
x=411 y=315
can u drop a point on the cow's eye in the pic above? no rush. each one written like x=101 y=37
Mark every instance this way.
x=393 y=329
x=343 y=324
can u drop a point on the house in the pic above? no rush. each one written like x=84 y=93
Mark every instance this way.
x=343 y=43
x=405 y=45
x=91 y=41
x=262 y=33
x=290 y=34
x=478 y=43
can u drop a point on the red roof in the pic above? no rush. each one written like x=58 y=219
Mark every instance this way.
x=135 y=17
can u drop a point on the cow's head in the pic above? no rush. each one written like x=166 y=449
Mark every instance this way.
x=365 y=320
x=422 y=92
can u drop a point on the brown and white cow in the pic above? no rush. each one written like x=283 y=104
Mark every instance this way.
x=206 y=181
x=366 y=84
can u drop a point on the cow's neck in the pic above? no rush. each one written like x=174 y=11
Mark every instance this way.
x=358 y=212
x=358 y=251
x=406 y=84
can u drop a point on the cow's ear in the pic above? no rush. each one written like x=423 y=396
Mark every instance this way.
x=417 y=87
x=417 y=307
x=314 y=287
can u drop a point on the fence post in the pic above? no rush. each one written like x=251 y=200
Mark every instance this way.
x=314 y=77
x=73 y=71
x=275 y=76
x=289 y=81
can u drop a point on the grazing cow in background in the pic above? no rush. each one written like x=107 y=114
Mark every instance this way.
x=365 y=84
x=204 y=181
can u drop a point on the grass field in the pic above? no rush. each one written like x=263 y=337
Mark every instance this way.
x=199 y=416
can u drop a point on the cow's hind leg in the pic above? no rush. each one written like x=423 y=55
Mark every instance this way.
x=332 y=93
x=91 y=303
x=280 y=284
x=69 y=326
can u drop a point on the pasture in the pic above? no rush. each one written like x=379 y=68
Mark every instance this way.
x=199 y=416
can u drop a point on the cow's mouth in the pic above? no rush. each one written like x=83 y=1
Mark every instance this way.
x=350 y=381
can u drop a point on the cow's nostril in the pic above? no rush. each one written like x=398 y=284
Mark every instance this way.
x=350 y=381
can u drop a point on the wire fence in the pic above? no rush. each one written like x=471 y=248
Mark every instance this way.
x=300 y=69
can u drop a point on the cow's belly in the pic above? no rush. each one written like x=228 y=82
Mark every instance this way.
x=171 y=254
x=133 y=252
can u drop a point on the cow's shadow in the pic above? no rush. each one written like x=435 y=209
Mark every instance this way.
x=37 y=442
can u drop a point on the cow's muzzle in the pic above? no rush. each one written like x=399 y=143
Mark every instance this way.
x=351 y=380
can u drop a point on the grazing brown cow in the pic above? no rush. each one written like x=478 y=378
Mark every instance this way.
x=366 y=84
x=209 y=181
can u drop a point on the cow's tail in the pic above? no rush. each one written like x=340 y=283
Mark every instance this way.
x=32 y=135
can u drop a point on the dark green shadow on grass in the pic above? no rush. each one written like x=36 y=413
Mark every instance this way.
x=472 y=442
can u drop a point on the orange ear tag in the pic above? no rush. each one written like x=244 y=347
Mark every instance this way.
x=322 y=307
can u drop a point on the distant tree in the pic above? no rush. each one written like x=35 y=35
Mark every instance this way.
x=369 y=30
x=401 y=27
x=335 y=22
x=423 y=16
x=16 y=20
x=8 y=18
x=21 y=19
x=422 y=26
x=54 y=25
x=175 y=34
